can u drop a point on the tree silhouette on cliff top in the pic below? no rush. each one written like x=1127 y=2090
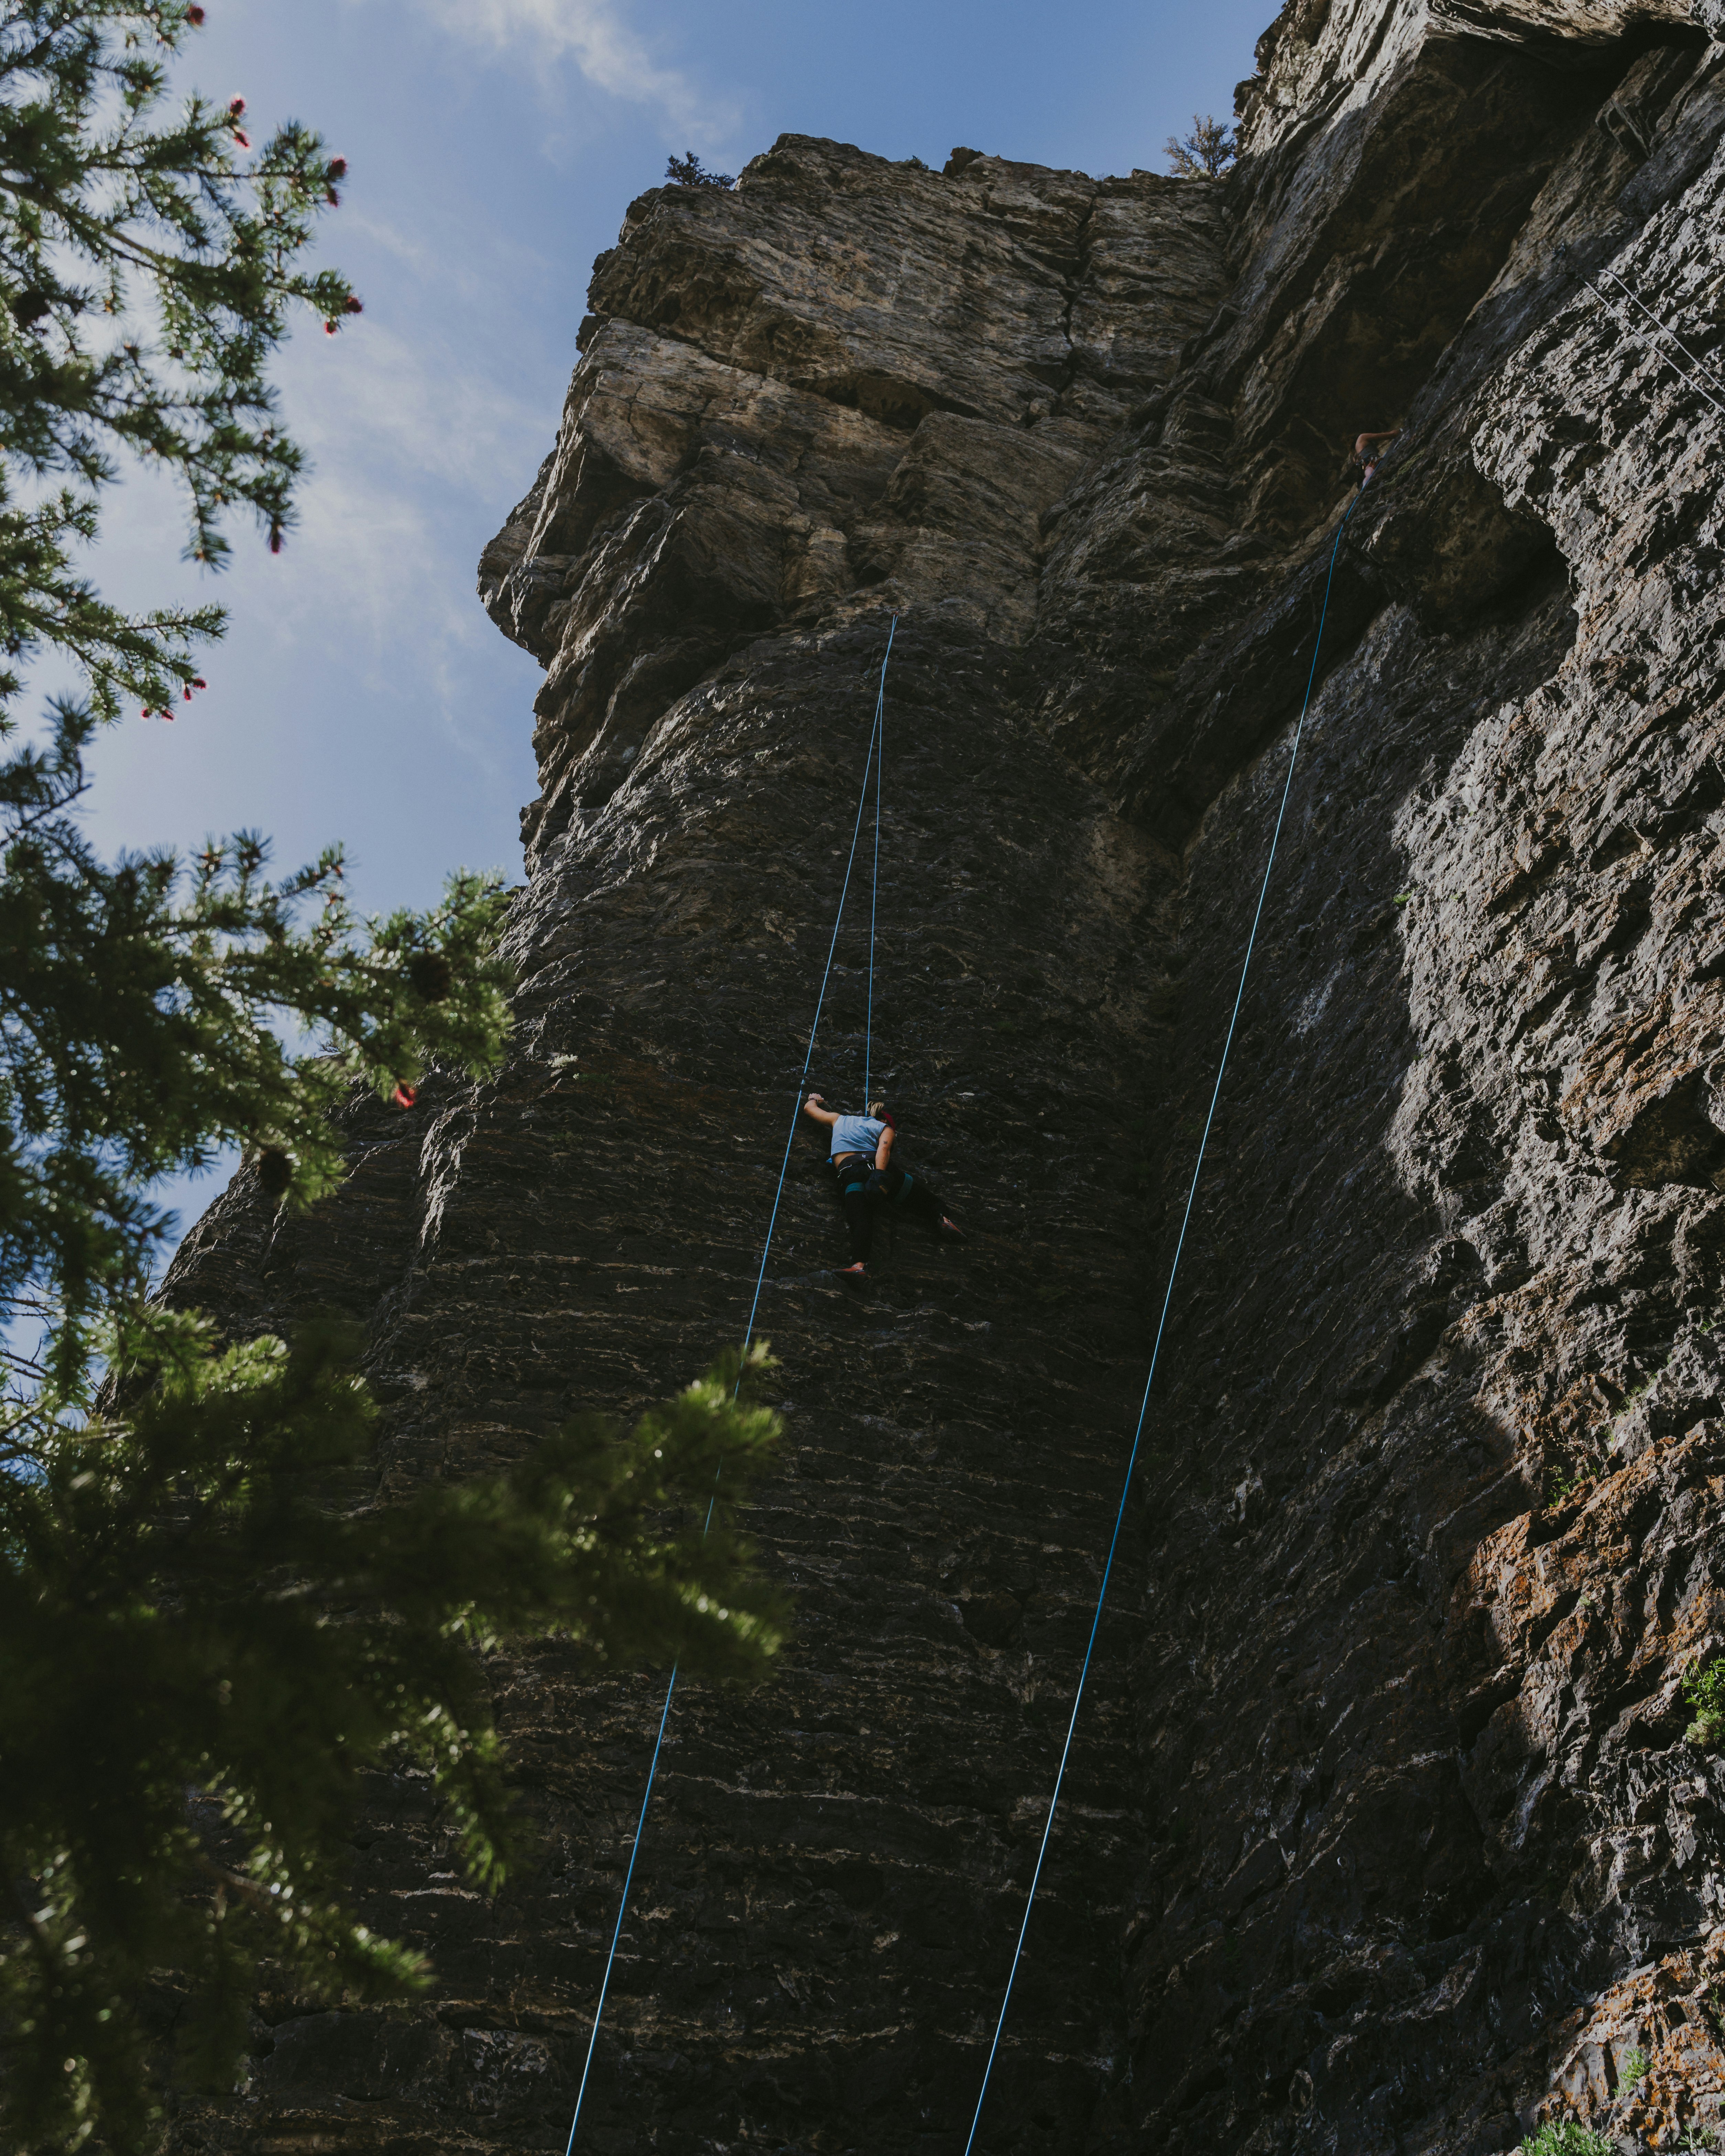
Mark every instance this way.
x=1207 y=153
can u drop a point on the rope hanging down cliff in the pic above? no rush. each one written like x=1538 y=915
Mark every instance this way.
x=873 y=767
x=1610 y=305
x=1161 y=1327
x=1695 y=360
x=1693 y=382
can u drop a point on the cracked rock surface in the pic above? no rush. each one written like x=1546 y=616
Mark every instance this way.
x=1382 y=1831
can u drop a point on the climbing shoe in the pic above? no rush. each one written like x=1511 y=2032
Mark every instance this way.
x=858 y=1271
x=950 y=1231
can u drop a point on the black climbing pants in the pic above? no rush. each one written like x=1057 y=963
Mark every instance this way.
x=863 y=1188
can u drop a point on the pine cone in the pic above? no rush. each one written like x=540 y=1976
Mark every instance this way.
x=432 y=975
x=276 y=1171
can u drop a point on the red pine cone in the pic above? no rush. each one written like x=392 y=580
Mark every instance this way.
x=338 y=169
x=194 y=16
x=236 y=108
x=243 y=140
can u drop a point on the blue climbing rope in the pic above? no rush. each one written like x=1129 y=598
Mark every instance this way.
x=826 y=975
x=874 y=881
x=868 y=768
x=622 y=1903
x=1155 y=1346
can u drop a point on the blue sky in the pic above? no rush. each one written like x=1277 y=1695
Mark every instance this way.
x=493 y=147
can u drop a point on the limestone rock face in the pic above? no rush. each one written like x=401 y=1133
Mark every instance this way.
x=1382 y=1832
x=848 y=387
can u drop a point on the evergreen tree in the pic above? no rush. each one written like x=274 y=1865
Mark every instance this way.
x=1206 y=154
x=210 y=1630
x=689 y=171
x=207 y=1635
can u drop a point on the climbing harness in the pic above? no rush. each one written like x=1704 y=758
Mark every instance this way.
x=872 y=768
x=1161 y=1327
x=1682 y=370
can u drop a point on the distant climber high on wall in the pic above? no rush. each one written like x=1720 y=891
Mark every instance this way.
x=864 y=1177
x=1366 y=458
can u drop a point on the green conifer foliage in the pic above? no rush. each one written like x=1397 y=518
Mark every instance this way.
x=211 y=1629
x=144 y=1025
x=211 y=1632
x=688 y=172
x=148 y=271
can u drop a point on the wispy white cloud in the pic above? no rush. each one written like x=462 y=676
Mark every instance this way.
x=594 y=35
x=406 y=404
x=415 y=459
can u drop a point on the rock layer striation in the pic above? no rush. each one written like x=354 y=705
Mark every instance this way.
x=1382 y=1832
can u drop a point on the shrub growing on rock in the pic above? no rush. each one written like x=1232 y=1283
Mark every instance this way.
x=1704 y=1688
x=1569 y=2138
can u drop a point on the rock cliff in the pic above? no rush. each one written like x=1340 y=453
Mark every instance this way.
x=1382 y=1832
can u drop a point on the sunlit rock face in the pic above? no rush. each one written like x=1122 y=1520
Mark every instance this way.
x=1381 y=1831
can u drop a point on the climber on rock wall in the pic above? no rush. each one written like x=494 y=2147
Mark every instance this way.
x=864 y=1177
x=1363 y=455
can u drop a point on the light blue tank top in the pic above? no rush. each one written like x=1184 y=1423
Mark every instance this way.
x=856 y=1134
